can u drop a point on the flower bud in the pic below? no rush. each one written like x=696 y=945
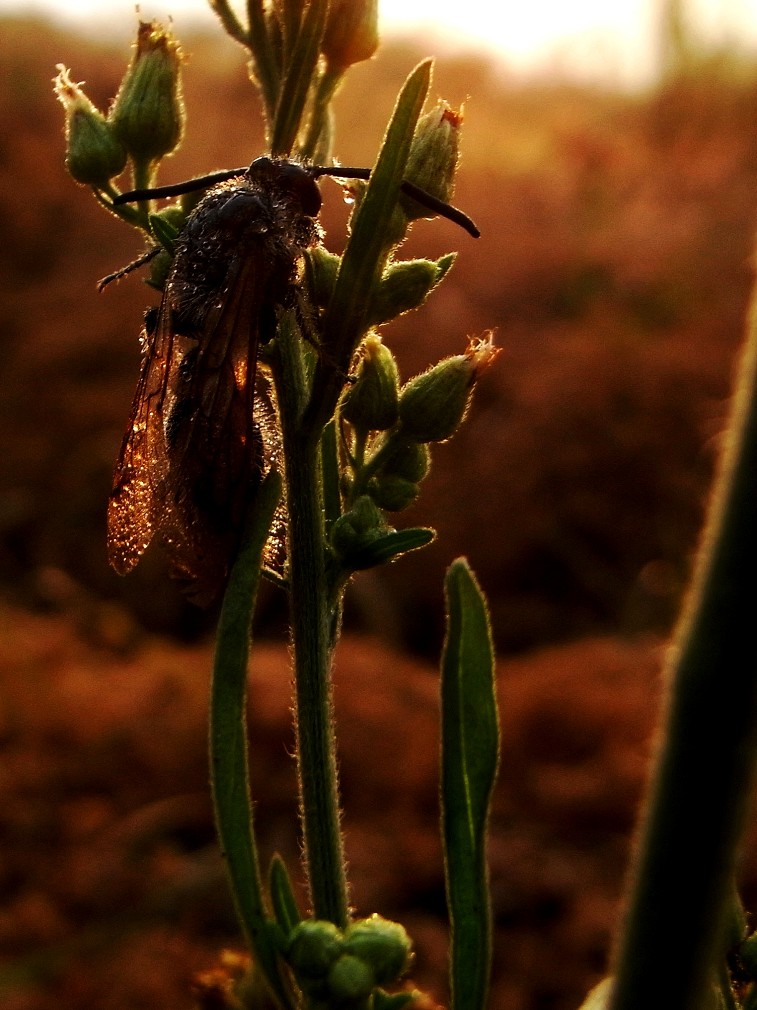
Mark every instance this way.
x=432 y=405
x=160 y=267
x=370 y=403
x=166 y=225
x=351 y=981
x=94 y=155
x=411 y=460
x=392 y=493
x=356 y=530
x=148 y=112
x=314 y=945
x=433 y=158
x=405 y=286
x=382 y=944
x=322 y=267
x=351 y=34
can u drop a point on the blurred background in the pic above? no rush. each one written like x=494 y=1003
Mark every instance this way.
x=612 y=169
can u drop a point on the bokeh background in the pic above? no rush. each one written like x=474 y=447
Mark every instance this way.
x=615 y=264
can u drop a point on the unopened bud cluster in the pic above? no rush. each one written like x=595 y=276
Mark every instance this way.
x=386 y=431
x=144 y=123
x=342 y=967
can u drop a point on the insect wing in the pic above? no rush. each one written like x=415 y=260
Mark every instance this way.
x=213 y=446
x=138 y=500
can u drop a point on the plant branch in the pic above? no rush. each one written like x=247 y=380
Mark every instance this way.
x=312 y=621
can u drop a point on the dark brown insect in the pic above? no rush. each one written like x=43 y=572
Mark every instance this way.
x=193 y=450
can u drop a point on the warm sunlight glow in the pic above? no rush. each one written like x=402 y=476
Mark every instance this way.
x=589 y=39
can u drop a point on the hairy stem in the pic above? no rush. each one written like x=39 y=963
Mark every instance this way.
x=312 y=623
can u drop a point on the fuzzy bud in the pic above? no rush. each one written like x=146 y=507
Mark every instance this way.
x=148 y=112
x=392 y=493
x=322 y=267
x=351 y=34
x=350 y=982
x=433 y=405
x=433 y=158
x=356 y=530
x=406 y=285
x=396 y=484
x=94 y=155
x=314 y=945
x=382 y=944
x=370 y=403
x=410 y=460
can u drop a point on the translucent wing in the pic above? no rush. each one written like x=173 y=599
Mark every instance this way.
x=138 y=500
x=213 y=446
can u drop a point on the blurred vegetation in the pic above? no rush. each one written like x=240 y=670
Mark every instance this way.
x=616 y=261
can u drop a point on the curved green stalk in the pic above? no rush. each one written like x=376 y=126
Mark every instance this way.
x=229 y=772
x=682 y=880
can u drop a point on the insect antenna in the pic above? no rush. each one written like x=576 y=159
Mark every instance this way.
x=178 y=188
x=425 y=199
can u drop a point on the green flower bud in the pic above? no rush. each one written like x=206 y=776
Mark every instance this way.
x=357 y=529
x=405 y=286
x=370 y=403
x=160 y=267
x=411 y=460
x=433 y=158
x=148 y=112
x=322 y=268
x=351 y=981
x=351 y=34
x=314 y=945
x=392 y=493
x=166 y=225
x=382 y=944
x=433 y=405
x=94 y=155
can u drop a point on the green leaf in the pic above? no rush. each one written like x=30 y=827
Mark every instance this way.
x=366 y=252
x=282 y=896
x=228 y=738
x=470 y=755
x=389 y=547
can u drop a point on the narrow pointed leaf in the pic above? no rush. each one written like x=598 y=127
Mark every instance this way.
x=390 y=546
x=470 y=755
x=366 y=251
x=282 y=896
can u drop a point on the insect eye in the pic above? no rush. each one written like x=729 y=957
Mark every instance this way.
x=302 y=184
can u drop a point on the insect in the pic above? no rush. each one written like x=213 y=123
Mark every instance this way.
x=194 y=447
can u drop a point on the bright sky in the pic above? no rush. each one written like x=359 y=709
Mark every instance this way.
x=605 y=40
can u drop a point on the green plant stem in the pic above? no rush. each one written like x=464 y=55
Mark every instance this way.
x=681 y=884
x=312 y=623
x=328 y=82
x=228 y=737
x=298 y=78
